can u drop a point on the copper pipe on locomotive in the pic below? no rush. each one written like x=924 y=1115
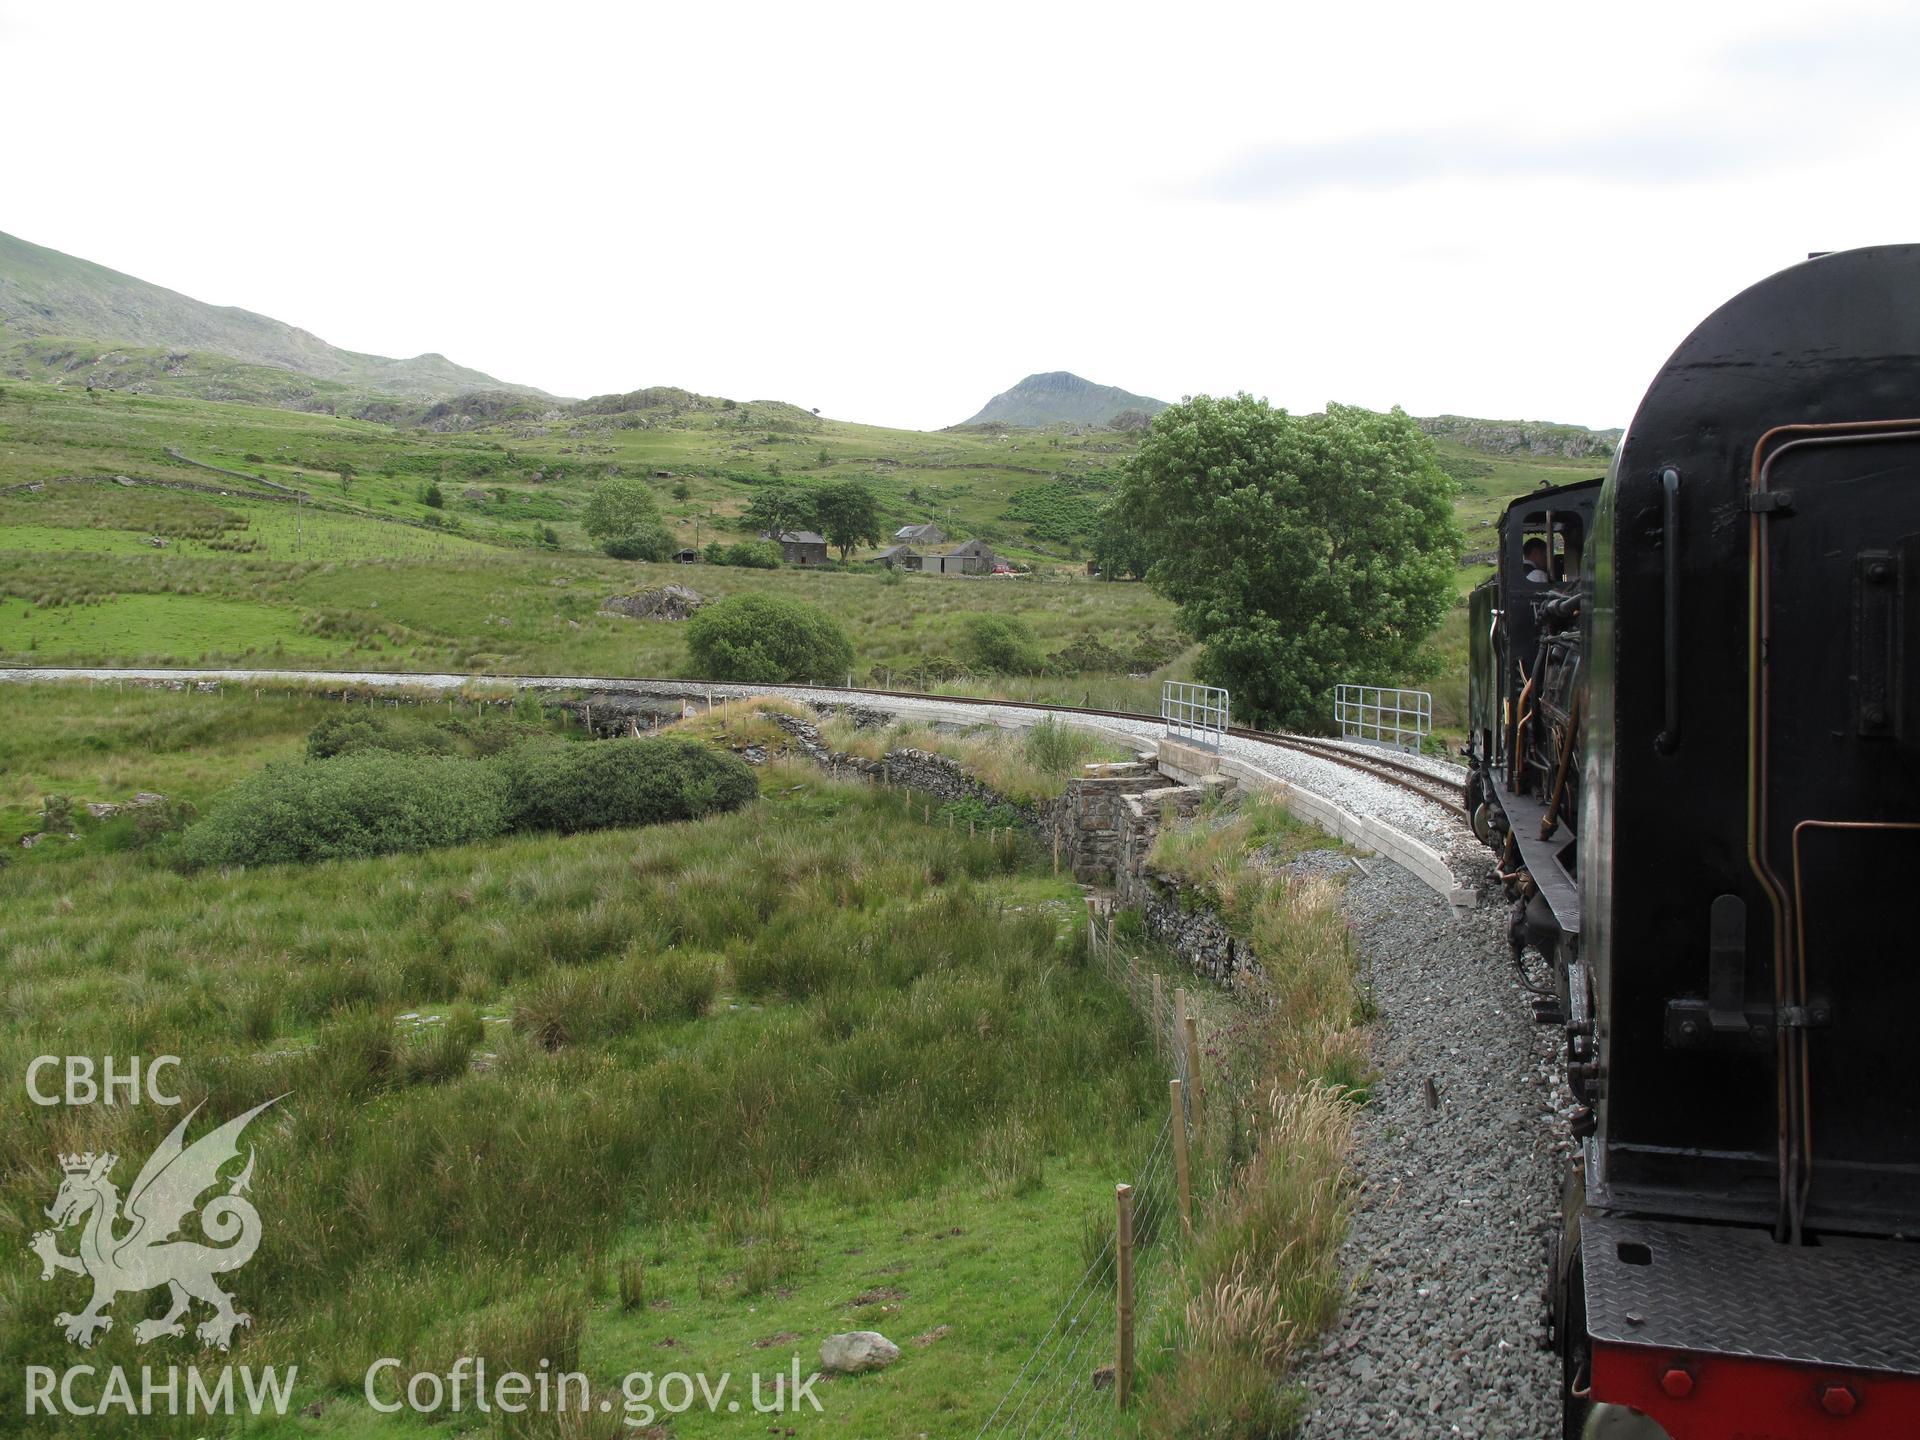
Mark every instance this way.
x=1789 y=946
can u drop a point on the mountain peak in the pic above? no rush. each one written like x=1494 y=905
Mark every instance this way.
x=1053 y=397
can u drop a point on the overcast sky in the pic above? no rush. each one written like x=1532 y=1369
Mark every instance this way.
x=893 y=212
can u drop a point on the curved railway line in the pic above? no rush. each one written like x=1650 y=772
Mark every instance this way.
x=1414 y=779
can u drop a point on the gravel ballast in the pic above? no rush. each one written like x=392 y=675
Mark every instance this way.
x=1444 y=1327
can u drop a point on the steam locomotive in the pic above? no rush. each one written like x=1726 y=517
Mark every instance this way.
x=1695 y=750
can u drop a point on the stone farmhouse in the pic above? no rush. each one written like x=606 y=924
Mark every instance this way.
x=801 y=547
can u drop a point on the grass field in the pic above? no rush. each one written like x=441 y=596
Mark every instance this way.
x=363 y=573
x=686 y=1098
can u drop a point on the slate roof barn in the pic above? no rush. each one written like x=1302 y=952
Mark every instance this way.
x=801 y=547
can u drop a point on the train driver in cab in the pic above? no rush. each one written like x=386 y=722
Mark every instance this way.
x=1533 y=555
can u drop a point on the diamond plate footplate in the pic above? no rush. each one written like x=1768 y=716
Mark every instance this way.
x=1731 y=1290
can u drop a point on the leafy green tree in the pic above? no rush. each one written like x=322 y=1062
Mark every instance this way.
x=762 y=638
x=432 y=496
x=1118 y=548
x=848 y=515
x=649 y=542
x=620 y=506
x=1303 y=551
x=779 y=508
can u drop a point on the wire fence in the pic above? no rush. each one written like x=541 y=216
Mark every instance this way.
x=1070 y=1381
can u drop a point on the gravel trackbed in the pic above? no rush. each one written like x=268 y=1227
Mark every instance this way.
x=1443 y=1330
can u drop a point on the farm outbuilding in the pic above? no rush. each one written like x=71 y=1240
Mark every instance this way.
x=969 y=557
x=801 y=547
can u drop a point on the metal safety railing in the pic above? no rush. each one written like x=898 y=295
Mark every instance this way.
x=1383 y=715
x=1195 y=712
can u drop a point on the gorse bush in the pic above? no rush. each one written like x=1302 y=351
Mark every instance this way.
x=379 y=802
x=372 y=803
x=762 y=638
x=554 y=785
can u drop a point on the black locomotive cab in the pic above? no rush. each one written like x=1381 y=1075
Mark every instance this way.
x=1738 y=1254
x=1523 y=785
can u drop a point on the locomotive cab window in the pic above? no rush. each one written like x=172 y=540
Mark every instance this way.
x=1550 y=547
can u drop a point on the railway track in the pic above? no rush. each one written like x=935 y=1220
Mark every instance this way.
x=1410 y=778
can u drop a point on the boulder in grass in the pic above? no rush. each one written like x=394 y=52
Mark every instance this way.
x=669 y=602
x=857 y=1351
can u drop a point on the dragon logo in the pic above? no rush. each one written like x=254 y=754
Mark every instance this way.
x=147 y=1254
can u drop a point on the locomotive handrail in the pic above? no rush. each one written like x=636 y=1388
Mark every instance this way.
x=1668 y=740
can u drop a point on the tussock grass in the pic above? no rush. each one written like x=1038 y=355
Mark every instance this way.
x=743 y=721
x=1263 y=1276
x=814 y=998
x=1027 y=766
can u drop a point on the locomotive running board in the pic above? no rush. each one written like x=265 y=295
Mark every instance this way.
x=1542 y=857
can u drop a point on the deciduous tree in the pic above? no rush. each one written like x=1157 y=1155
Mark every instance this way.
x=620 y=505
x=776 y=509
x=848 y=515
x=1303 y=551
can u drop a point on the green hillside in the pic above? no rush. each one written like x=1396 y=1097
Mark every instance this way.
x=166 y=528
x=46 y=293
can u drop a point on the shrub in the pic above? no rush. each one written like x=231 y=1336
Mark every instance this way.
x=648 y=542
x=153 y=823
x=747 y=554
x=1002 y=644
x=370 y=803
x=353 y=731
x=553 y=785
x=763 y=638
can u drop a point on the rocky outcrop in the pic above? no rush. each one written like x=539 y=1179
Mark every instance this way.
x=668 y=602
x=1523 y=437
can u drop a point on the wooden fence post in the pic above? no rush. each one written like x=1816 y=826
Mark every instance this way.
x=1056 y=849
x=1180 y=1172
x=1196 y=1081
x=1123 y=1244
